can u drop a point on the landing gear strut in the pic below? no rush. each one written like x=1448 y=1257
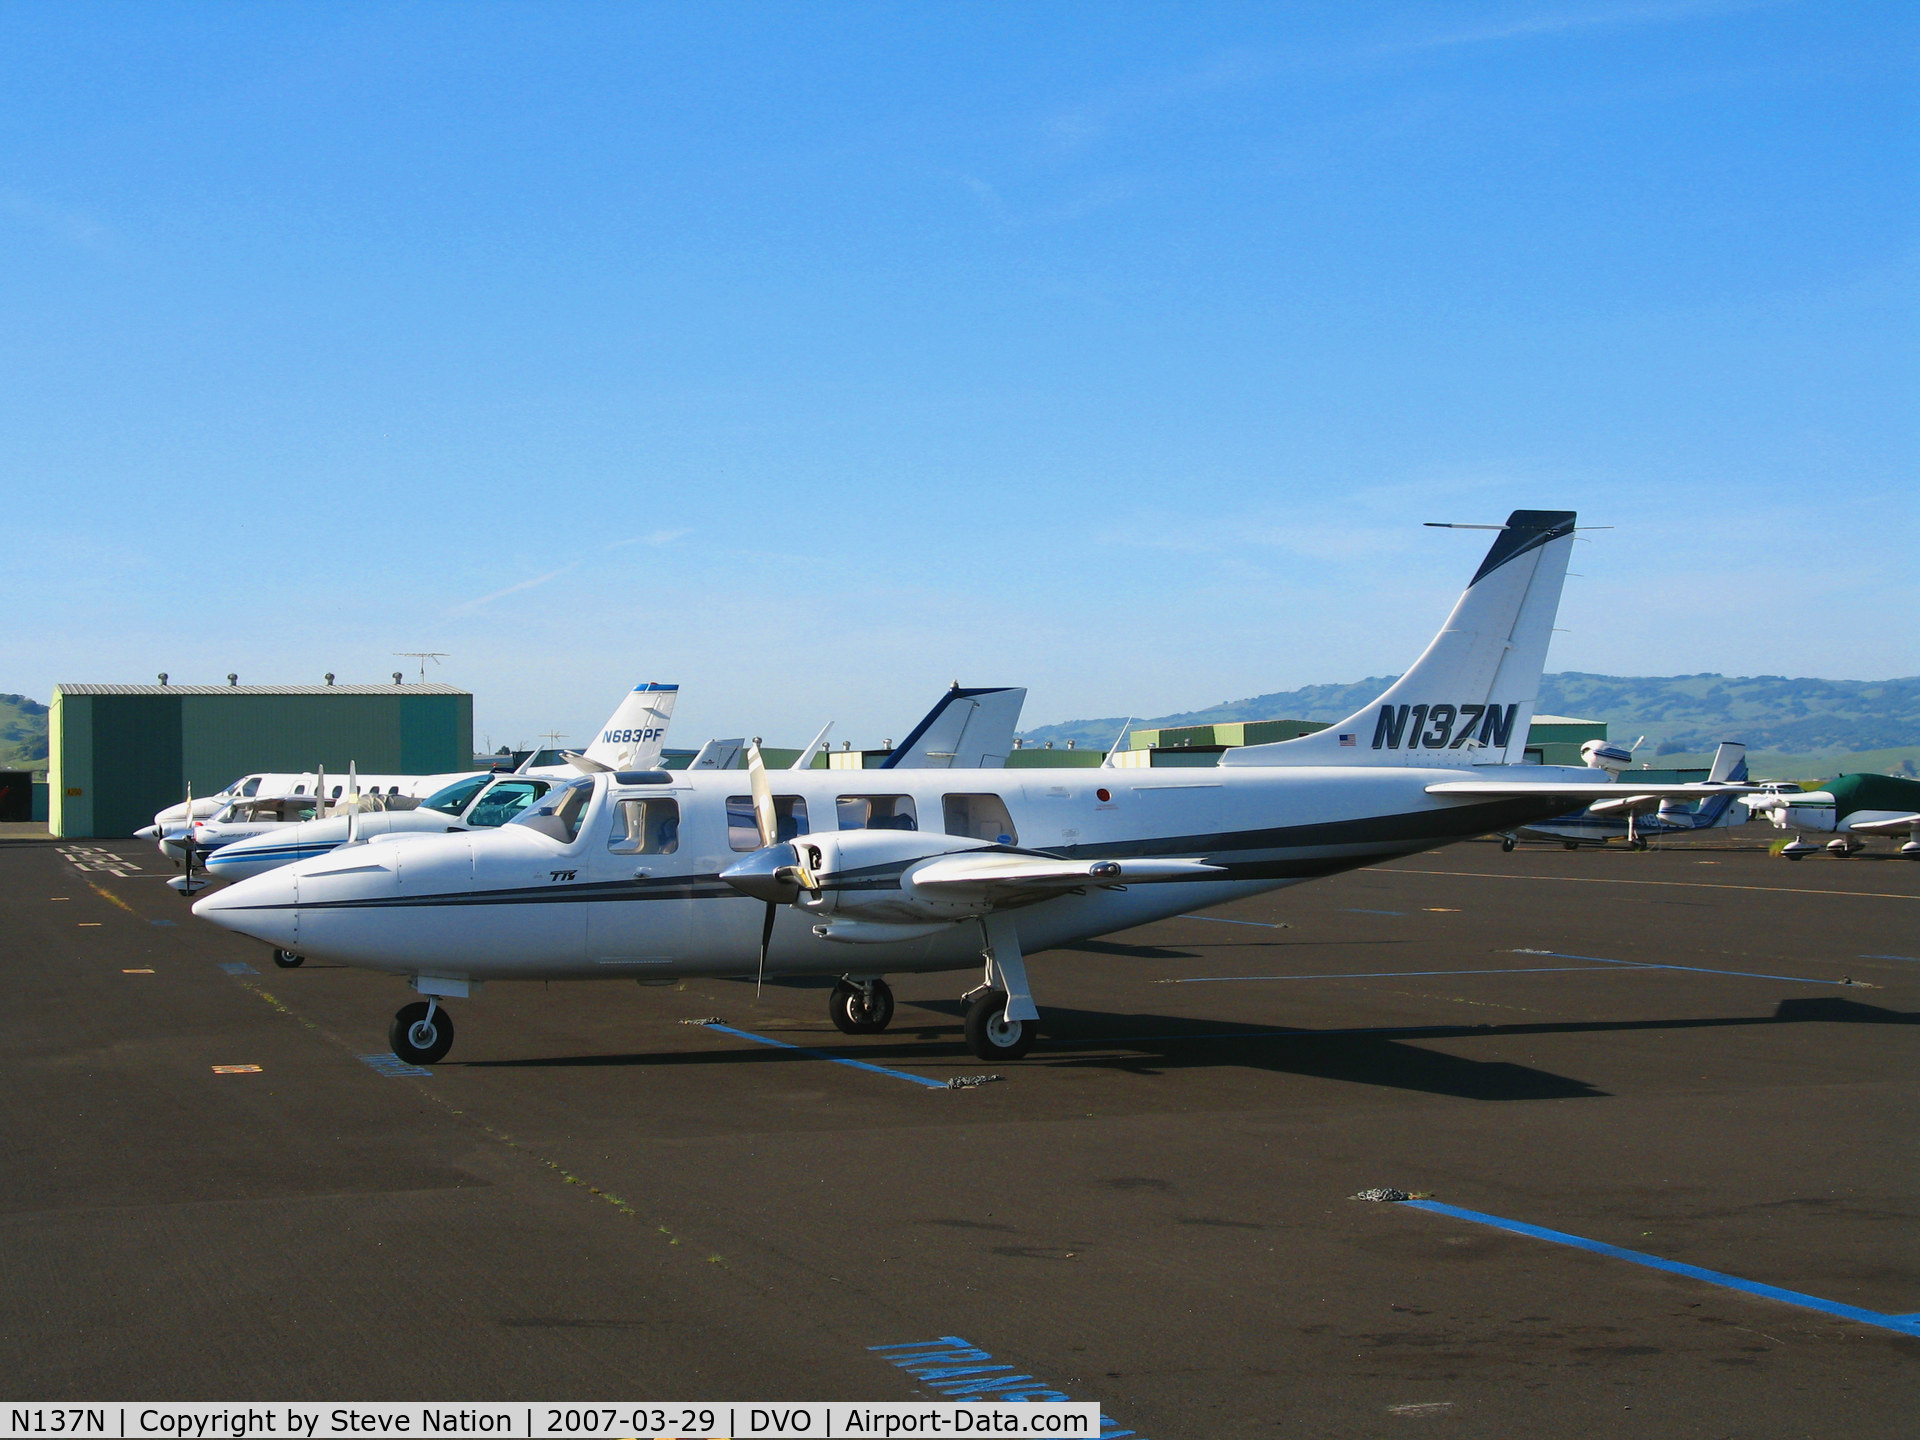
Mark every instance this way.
x=421 y=1033
x=861 y=1007
x=1001 y=1021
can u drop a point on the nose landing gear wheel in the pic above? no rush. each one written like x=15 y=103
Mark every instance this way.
x=991 y=1035
x=858 y=1010
x=421 y=1033
x=287 y=959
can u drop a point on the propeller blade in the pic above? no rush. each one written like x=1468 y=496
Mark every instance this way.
x=766 y=939
x=353 y=801
x=763 y=812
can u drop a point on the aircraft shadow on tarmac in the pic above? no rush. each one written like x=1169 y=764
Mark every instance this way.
x=1154 y=1044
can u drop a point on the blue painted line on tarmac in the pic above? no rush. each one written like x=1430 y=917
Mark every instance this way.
x=1904 y=1324
x=1349 y=910
x=1387 y=974
x=1223 y=920
x=391 y=1064
x=836 y=1059
x=1690 y=969
x=239 y=967
x=1914 y=958
x=955 y=1366
x=169 y=922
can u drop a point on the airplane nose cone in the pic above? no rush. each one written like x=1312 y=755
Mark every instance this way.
x=265 y=907
x=757 y=875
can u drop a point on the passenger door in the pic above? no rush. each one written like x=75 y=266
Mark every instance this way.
x=641 y=913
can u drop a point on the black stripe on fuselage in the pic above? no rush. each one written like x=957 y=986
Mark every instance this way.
x=1274 y=853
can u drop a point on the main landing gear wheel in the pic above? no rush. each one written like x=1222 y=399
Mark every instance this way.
x=991 y=1035
x=1570 y=844
x=421 y=1033
x=861 y=1009
x=1507 y=843
x=288 y=960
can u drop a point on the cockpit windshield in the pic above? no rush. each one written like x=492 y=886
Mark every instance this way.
x=506 y=801
x=560 y=813
x=453 y=799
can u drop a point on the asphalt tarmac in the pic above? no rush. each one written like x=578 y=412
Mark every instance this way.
x=593 y=1198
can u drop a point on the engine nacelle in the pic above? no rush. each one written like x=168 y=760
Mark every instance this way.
x=1605 y=755
x=858 y=875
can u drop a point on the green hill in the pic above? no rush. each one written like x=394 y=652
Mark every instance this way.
x=1681 y=715
x=23 y=733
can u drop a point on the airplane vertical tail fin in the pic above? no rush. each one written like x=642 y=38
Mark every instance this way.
x=632 y=737
x=965 y=730
x=1469 y=698
x=1729 y=768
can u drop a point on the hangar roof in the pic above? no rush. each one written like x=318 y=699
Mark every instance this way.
x=414 y=689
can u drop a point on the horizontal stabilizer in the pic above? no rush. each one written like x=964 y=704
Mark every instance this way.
x=1578 y=790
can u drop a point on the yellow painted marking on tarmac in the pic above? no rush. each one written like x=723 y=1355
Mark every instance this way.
x=1681 y=884
x=236 y=1069
x=1439 y=910
x=89 y=924
x=56 y=897
x=111 y=898
x=136 y=972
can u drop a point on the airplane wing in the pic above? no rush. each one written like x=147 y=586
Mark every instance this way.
x=1579 y=790
x=1892 y=826
x=1035 y=874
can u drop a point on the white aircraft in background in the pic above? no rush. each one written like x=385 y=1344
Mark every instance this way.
x=974 y=725
x=1850 y=806
x=664 y=874
x=1637 y=815
x=632 y=735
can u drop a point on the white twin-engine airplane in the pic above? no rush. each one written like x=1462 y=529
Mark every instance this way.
x=862 y=874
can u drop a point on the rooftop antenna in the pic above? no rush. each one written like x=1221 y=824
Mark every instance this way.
x=423 y=656
x=555 y=736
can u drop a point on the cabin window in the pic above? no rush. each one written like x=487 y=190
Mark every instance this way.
x=252 y=787
x=505 y=802
x=645 y=827
x=876 y=812
x=336 y=793
x=979 y=817
x=299 y=789
x=743 y=831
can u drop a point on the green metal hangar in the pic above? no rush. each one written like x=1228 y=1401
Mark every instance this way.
x=119 y=753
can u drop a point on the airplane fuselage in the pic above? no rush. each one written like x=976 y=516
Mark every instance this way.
x=518 y=903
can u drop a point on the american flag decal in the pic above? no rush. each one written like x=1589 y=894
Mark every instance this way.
x=1349 y=740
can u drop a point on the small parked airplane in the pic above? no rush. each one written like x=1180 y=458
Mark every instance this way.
x=1850 y=806
x=823 y=872
x=1638 y=815
x=974 y=725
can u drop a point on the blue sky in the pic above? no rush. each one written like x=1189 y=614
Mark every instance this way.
x=815 y=356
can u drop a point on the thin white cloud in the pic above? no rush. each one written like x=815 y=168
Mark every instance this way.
x=69 y=226
x=658 y=537
x=1565 y=21
x=467 y=606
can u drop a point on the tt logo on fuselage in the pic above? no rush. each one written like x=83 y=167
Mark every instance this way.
x=563 y=874
x=1443 y=727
